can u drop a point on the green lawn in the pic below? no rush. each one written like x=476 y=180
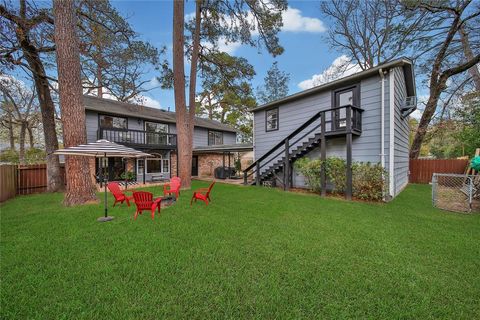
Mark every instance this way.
x=253 y=253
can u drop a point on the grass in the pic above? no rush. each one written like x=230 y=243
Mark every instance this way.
x=253 y=253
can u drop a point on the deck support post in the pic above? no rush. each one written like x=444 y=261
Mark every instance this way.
x=145 y=169
x=245 y=177
x=257 y=175
x=323 y=150
x=286 y=166
x=349 y=182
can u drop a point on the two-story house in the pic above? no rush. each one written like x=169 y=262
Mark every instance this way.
x=154 y=131
x=361 y=117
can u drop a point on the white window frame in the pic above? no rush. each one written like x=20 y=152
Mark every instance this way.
x=269 y=121
x=161 y=159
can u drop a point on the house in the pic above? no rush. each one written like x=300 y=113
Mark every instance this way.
x=361 y=117
x=153 y=130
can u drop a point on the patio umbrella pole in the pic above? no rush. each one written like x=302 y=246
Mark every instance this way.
x=106 y=217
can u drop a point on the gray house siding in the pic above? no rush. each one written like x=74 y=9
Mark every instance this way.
x=291 y=115
x=91 y=124
x=401 y=154
x=367 y=146
x=200 y=137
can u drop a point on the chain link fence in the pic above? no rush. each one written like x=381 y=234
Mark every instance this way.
x=456 y=192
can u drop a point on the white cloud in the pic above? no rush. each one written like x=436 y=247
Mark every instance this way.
x=224 y=46
x=294 y=21
x=149 y=102
x=340 y=67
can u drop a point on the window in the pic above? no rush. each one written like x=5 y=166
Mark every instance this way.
x=140 y=166
x=153 y=165
x=215 y=138
x=155 y=132
x=271 y=120
x=112 y=122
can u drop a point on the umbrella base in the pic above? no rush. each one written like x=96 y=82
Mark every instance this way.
x=105 y=219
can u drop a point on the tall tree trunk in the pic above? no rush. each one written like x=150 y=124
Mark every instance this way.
x=54 y=178
x=184 y=158
x=192 y=87
x=21 y=142
x=99 y=79
x=79 y=184
x=11 y=136
x=467 y=50
x=31 y=139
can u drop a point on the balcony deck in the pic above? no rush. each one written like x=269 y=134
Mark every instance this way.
x=139 y=139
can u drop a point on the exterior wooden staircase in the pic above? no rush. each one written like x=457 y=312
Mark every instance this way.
x=310 y=135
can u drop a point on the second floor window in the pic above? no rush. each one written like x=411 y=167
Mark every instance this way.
x=215 y=138
x=155 y=132
x=113 y=122
x=271 y=120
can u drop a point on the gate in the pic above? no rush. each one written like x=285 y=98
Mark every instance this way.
x=456 y=192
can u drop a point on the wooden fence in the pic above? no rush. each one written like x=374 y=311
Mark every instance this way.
x=8 y=182
x=24 y=179
x=421 y=170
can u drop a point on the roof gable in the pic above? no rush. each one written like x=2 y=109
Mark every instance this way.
x=406 y=63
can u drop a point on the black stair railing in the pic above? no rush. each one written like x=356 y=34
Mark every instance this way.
x=341 y=120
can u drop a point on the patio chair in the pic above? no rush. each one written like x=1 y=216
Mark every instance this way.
x=202 y=194
x=114 y=188
x=144 y=201
x=173 y=187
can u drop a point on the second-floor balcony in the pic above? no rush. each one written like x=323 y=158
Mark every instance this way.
x=139 y=138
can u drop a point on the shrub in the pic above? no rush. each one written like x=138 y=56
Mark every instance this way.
x=129 y=176
x=368 y=181
x=311 y=170
x=336 y=173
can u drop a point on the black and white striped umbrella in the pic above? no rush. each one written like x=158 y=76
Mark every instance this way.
x=102 y=149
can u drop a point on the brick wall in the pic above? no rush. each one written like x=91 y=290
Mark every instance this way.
x=208 y=162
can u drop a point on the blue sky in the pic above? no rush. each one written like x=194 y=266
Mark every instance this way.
x=304 y=39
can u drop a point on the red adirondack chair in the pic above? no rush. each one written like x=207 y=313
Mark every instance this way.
x=144 y=201
x=173 y=187
x=202 y=194
x=114 y=188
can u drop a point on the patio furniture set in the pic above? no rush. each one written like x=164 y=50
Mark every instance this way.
x=145 y=201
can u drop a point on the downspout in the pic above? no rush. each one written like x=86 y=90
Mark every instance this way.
x=382 y=124
x=391 y=151
x=382 y=117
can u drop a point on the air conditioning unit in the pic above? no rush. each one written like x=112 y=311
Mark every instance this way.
x=409 y=105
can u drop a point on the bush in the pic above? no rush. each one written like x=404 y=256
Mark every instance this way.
x=310 y=169
x=129 y=176
x=368 y=181
x=336 y=173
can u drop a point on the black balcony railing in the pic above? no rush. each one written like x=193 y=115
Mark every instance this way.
x=139 y=138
